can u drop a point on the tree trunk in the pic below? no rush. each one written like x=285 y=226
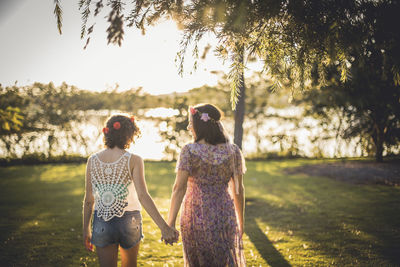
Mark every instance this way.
x=239 y=112
x=50 y=140
x=379 y=146
x=378 y=138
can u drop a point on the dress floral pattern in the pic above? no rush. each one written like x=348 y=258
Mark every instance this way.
x=209 y=225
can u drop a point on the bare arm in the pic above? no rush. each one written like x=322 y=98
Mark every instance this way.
x=178 y=192
x=88 y=203
x=239 y=201
x=146 y=200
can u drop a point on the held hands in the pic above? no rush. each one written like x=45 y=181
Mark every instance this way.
x=169 y=235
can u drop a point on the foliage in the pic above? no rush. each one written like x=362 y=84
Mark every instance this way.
x=41 y=158
x=261 y=105
x=263 y=111
x=128 y=101
x=256 y=105
x=292 y=220
x=44 y=113
x=368 y=106
x=175 y=128
x=296 y=40
x=10 y=120
x=10 y=110
x=58 y=14
x=41 y=109
x=88 y=108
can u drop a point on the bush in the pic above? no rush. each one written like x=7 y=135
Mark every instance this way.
x=40 y=158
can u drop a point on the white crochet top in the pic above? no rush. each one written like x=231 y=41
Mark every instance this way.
x=113 y=187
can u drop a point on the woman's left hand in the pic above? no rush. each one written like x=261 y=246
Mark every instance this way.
x=86 y=241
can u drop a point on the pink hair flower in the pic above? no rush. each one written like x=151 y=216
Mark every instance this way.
x=132 y=119
x=105 y=130
x=193 y=110
x=204 y=117
x=116 y=125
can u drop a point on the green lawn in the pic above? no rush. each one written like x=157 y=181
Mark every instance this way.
x=290 y=219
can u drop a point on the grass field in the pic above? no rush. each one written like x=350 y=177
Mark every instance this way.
x=291 y=220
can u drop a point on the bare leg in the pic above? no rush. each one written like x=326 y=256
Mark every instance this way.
x=129 y=256
x=108 y=256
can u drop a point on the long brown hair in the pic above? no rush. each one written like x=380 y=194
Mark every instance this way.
x=209 y=130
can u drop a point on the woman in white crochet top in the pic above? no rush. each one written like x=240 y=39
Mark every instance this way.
x=116 y=189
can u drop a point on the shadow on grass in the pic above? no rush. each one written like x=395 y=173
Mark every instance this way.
x=341 y=224
x=41 y=211
x=259 y=239
x=350 y=224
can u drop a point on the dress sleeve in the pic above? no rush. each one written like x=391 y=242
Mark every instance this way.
x=184 y=160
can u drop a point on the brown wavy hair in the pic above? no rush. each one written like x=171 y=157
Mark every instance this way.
x=208 y=130
x=123 y=136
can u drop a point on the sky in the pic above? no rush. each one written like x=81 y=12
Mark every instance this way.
x=32 y=50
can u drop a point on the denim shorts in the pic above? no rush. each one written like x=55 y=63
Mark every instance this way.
x=125 y=231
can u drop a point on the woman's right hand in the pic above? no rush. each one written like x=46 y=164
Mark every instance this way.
x=87 y=236
x=169 y=235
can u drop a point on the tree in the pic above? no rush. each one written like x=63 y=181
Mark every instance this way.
x=41 y=110
x=10 y=112
x=192 y=18
x=297 y=40
x=370 y=100
x=368 y=106
x=174 y=130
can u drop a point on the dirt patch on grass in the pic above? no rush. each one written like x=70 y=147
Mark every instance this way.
x=356 y=172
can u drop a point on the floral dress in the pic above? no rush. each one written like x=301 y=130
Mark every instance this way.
x=209 y=225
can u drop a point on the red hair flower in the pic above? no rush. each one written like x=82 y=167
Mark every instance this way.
x=133 y=119
x=193 y=110
x=116 y=125
x=105 y=130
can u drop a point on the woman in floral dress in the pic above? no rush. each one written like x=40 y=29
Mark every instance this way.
x=209 y=181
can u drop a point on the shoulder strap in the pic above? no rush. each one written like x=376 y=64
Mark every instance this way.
x=129 y=165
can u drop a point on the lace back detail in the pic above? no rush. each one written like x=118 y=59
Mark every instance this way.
x=110 y=183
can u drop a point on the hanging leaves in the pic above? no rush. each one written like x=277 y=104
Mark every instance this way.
x=58 y=14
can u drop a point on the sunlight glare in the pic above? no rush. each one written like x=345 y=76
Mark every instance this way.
x=148 y=146
x=161 y=112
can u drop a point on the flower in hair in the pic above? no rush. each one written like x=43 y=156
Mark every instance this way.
x=132 y=119
x=193 y=110
x=204 y=117
x=105 y=130
x=116 y=125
